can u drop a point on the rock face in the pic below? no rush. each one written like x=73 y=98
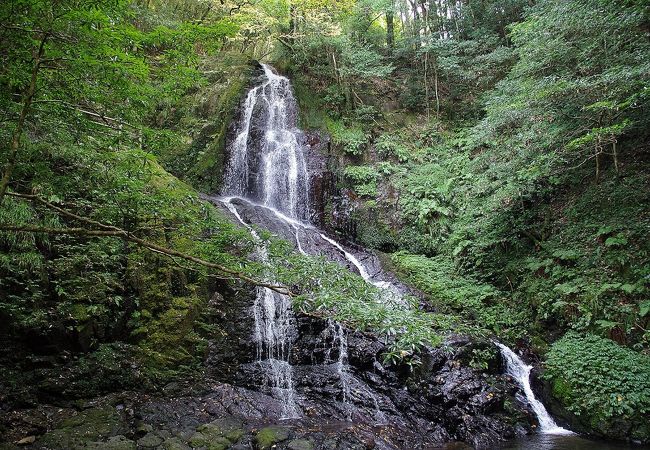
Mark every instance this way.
x=347 y=397
x=363 y=400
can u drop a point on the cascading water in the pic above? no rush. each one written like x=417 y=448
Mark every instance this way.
x=267 y=168
x=273 y=323
x=275 y=174
x=520 y=371
x=339 y=339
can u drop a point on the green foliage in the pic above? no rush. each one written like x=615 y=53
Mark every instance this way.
x=571 y=98
x=330 y=290
x=450 y=292
x=351 y=139
x=392 y=146
x=364 y=179
x=87 y=149
x=428 y=190
x=601 y=382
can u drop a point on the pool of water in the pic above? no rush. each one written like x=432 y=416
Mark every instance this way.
x=571 y=442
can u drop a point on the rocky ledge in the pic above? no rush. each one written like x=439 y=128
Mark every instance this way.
x=442 y=400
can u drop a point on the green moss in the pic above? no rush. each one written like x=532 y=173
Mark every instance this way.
x=267 y=437
x=228 y=427
x=300 y=444
x=211 y=161
x=313 y=115
x=562 y=391
x=113 y=443
x=196 y=146
x=175 y=443
x=87 y=426
x=209 y=442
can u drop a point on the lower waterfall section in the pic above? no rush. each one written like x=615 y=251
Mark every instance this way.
x=520 y=371
x=273 y=316
x=273 y=324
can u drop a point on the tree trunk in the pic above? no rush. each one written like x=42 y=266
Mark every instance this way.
x=390 y=29
x=18 y=131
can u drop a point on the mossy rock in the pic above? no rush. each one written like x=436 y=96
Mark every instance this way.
x=150 y=440
x=300 y=444
x=209 y=442
x=113 y=443
x=201 y=120
x=91 y=425
x=175 y=443
x=227 y=427
x=267 y=437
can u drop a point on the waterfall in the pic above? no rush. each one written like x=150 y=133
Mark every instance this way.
x=266 y=160
x=267 y=169
x=340 y=340
x=273 y=323
x=387 y=291
x=520 y=371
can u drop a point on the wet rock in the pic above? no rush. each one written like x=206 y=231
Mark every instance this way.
x=210 y=442
x=267 y=437
x=229 y=428
x=175 y=443
x=87 y=426
x=143 y=428
x=150 y=440
x=113 y=443
x=26 y=440
x=300 y=444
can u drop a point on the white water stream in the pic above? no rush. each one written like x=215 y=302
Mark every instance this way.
x=267 y=165
x=520 y=371
x=267 y=168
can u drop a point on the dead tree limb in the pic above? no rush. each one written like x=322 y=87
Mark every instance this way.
x=18 y=131
x=110 y=230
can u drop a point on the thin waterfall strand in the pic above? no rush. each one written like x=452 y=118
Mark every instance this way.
x=520 y=371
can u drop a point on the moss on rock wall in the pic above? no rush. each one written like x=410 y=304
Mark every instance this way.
x=195 y=151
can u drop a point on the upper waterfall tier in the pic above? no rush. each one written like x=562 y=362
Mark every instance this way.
x=266 y=162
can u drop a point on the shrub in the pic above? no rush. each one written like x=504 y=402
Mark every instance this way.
x=364 y=179
x=351 y=139
x=601 y=382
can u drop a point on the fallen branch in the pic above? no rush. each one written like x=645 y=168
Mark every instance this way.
x=18 y=131
x=110 y=230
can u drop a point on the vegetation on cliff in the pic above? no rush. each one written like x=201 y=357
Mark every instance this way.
x=497 y=151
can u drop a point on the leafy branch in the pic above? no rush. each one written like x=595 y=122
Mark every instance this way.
x=110 y=230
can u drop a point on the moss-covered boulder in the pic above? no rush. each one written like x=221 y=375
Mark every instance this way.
x=300 y=444
x=175 y=443
x=269 y=436
x=219 y=434
x=604 y=387
x=113 y=443
x=89 y=426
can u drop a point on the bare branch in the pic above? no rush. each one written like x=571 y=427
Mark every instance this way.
x=18 y=131
x=110 y=230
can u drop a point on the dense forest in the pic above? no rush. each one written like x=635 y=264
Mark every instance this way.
x=320 y=224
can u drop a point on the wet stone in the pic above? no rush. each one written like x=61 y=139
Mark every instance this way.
x=228 y=427
x=113 y=443
x=209 y=442
x=150 y=440
x=300 y=444
x=267 y=437
x=175 y=443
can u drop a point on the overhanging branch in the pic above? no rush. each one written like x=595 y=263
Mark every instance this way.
x=113 y=231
